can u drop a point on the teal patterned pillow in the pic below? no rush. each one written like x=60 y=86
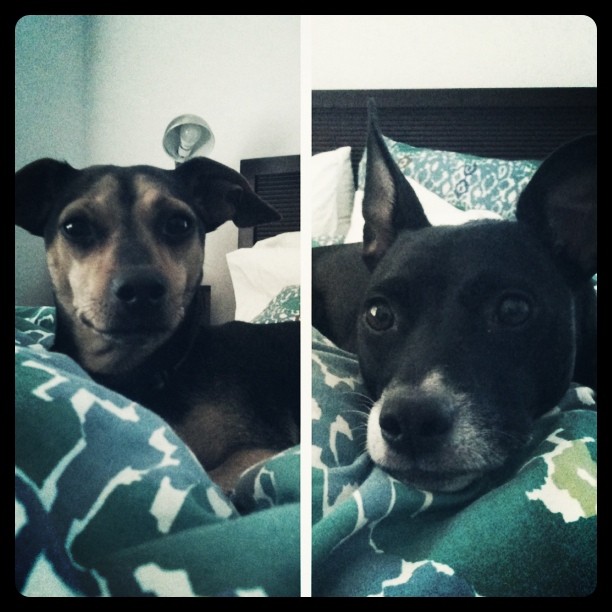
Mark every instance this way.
x=468 y=182
x=326 y=240
x=284 y=307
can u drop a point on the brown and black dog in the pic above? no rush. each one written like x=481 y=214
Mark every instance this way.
x=125 y=248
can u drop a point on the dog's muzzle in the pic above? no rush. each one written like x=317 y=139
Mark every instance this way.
x=139 y=291
x=137 y=307
x=428 y=435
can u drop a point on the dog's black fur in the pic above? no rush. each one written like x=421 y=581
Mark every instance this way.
x=465 y=334
x=125 y=249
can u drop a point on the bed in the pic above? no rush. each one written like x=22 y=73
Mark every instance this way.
x=265 y=269
x=110 y=502
x=530 y=533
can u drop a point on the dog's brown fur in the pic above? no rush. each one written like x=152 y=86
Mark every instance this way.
x=125 y=249
x=82 y=278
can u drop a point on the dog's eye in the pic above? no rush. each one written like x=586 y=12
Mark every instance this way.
x=379 y=315
x=78 y=229
x=178 y=226
x=513 y=310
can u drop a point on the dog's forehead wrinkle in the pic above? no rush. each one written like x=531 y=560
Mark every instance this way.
x=153 y=195
x=103 y=185
x=112 y=185
x=105 y=190
x=94 y=191
x=149 y=186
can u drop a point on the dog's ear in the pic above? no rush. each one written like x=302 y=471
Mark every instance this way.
x=221 y=194
x=389 y=202
x=36 y=187
x=560 y=202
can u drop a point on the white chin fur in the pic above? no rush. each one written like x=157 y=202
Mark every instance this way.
x=377 y=447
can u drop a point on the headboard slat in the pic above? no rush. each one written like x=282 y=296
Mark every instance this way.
x=276 y=180
x=504 y=123
x=281 y=191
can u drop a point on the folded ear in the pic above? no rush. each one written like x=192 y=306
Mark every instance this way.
x=390 y=205
x=560 y=203
x=221 y=194
x=36 y=187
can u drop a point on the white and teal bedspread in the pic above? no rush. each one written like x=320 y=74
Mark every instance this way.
x=109 y=501
x=530 y=533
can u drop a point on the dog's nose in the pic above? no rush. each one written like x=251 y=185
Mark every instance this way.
x=139 y=289
x=416 y=425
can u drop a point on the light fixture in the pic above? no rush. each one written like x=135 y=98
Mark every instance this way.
x=187 y=136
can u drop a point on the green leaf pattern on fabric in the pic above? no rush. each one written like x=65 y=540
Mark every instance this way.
x=570 y=487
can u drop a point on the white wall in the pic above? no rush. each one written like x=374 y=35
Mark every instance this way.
x=50 y=84
x=96 y=89
x=446 y=51
x=241 y=73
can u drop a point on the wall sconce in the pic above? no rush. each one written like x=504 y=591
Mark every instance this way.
x=187 y=136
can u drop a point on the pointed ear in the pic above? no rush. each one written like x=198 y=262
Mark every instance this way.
x=560 y=203
x=36 y=187
x=221 y=194
x=390 y=205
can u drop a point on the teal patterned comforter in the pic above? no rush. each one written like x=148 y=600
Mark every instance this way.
x=110 y=502
x=530 y=533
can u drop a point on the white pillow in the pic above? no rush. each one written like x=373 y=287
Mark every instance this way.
x=260 y=273
x=333 y=191
x=437 y=211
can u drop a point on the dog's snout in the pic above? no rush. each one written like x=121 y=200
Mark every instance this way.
x=416 y=425
x=139 y=289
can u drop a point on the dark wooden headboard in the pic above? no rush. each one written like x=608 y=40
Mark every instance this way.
x=277 y=181
x=502 y=123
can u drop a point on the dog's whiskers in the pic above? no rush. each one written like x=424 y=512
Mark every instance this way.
x=363 y=400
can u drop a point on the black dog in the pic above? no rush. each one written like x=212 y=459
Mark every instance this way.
x=125 y=248
x=465 y=334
